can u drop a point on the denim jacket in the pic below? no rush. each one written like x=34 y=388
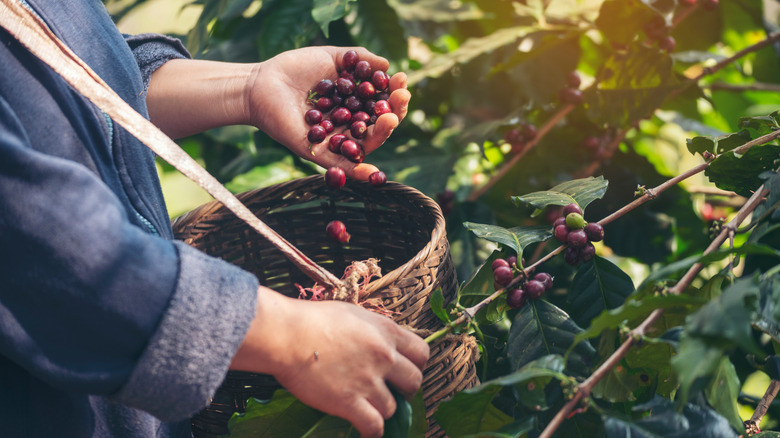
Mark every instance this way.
x=108 y=327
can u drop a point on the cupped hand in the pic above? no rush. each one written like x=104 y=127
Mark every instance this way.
x=278 y=94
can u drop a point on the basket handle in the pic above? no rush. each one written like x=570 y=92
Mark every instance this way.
x=35 y=35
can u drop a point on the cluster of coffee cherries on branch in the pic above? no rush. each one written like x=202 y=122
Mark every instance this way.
x=657 y=32
x=519 y=136
x=505 y=270
x=355 y=100
x=572 y=230
x=335 y=178
x=571 y=93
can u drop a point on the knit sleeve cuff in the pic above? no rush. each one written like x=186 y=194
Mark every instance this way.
x=188 y=357
x=151 y=51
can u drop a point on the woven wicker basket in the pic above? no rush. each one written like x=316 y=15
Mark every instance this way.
x=395 y=223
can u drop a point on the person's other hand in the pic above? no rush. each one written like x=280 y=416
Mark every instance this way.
x=334 y=356
x=278 y=92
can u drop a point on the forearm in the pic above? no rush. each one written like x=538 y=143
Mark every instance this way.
x=188 y=96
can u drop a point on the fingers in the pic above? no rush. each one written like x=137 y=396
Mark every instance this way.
x=412 y=347
x=406 y=377
x=367 y=419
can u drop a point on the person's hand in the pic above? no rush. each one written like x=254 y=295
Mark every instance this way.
x=278 y=94
x=334 y=356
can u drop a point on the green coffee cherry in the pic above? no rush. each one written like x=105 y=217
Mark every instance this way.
x=575 y=221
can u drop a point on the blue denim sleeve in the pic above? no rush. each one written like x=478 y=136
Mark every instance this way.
x=153 y=50
x=92 y=304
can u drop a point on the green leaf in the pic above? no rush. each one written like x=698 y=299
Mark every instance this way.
x=619 y=20
x=540 y=329
x=581 y=191
x=234 y=9
x=437 y=306
x=471 y=413
x=664 y=420
x=695 y=362
x=375 y=25
x=329 y=427
x=437 y=11
x=762 y=124
x=285 y=27
x=400 y=424
x=283 y=415
x=740 y=174
x=719 y=144
x=517 y=238
x=766 y=434
x=547 y=366
x=599 y=285
x=723 y=391
x=468 y=51
x=767 y=319
x=326 y=11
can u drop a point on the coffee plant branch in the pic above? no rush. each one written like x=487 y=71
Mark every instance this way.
x=770 y=39
x=752 y=425
x=584 y=389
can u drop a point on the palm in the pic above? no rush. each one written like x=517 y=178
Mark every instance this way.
x=279 y=101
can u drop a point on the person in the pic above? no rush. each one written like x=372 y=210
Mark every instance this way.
x=109 y=327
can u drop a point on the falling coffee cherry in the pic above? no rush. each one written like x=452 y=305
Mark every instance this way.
x=335 y=177
x=377 y=179
x=337 y=231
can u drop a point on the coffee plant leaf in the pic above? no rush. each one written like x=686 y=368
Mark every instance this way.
x=437 y=11
x=635 y=309
x=717 y=144
x=330 y=426
x=512 y=430
x=692 y=421
x=375 y=26
x=762 y=124
x=722 y=393
x=694 y=364
x=234 y=9
x=540 y=329
x=599 y=285
x=326 y=11
x=516 y=238
x=471 y=413
x=437 y=306
x=617 y=386
x=766 y=434
x=271 y=417
x=285 y=28
x=618 y=20
x=740 y=174
x=581 y=191
x=767 y=318
x=467 y=52
x=400 y=424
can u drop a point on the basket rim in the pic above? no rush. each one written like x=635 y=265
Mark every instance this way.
x=438 y=232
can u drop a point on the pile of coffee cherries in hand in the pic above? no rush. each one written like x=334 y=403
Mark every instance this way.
x=355 y=100
x=572 y=230
x=503 y=274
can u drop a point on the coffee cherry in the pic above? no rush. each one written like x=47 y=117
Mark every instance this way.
x=324 y=104
x=352 y=151
x=512 y=260
x=365 y=90
x=571 y=208
x=337 y=231
x=594 y=231
x=571 y=256
x=383 y=96
x=377 y=179
x=534 y=289
x=503 y=275
x=362 y=70
x=335 y=177
x=347 y=75
x=337 y=99
x=655 y=28
x=334 y=144
x=382 y=107
x=360 y=116
x=573 y=79
x=358 y=129
x=587 y=252
x=561 y=232
x=313 y=116
x=368 y=106
x=316 y=134
x=570 y=95
x=577 y=239
x=345 y=87
x=667 y=44
x=513 y=136
x=499 y=262
x=372 y=120
x=324 y=88
x=559 y=221
x=529 y=132
x=328 y=125
x=545 y=278
x=515 y=298
x=349 y=60
x=353 y=103
x=380 y=80
x=575 y=221
x=340 y=116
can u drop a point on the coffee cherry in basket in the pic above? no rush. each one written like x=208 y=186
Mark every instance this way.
x=337 y=231
x=335 y=177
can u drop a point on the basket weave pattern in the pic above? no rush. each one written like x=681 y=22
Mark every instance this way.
x=395 y=224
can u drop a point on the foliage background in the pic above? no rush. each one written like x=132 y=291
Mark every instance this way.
x=478 y=69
